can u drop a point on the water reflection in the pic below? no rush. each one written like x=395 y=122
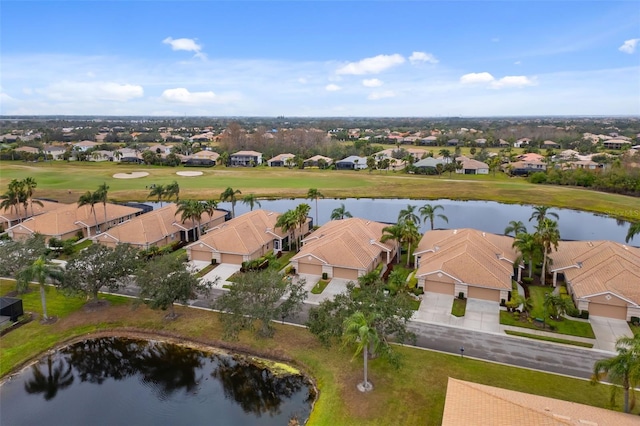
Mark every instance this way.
x=150 y=382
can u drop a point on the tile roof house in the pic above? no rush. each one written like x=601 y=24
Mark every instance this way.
x=202 y=158
x=346 y=248
x=246 y=158
x=475 y=263
x=472 y=167
x=9 y=217
x=70 y=220
x=521 y=168
x=281 y=160
x=244 y=238
x=352 y=162
x=603 y=277
x=315 y=161
x=85 y=145
x=158 y=228
x=472 y=404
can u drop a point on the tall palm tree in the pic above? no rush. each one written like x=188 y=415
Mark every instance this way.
x=30 y=185
x=529 y=249
x=191 y=210
x=12 y=198
x=541 y=213
x=621 y=370
x=301 y=213
x=287 y=222
x=516 y=227
x=410 y=235
x=102 y=196
x=340 y=213
x=358 y=329
x=91 y=199
x=158 y=191
x=548 y=236
x=446 y=154
x=634 y=229
x=393 y=232
x=429 y=212
x=39 y=271
x=251 y=200
x=58 y=378
x=210 y=206
x=314 y=194
x=173 y=190
x=229 y=194
x=409 y=215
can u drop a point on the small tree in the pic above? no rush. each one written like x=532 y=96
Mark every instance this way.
x=18 y=255
x=166 y=280
x=359 y=330
x=229 y=194
x=314 y=194
x=256 y=297
x=340 y=213
x=622 y=370
x=39 y=271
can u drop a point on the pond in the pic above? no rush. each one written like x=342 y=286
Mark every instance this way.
x=488 y=216
x=117 y=381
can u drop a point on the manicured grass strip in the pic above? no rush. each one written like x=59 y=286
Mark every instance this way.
x=459 y=307
x=549 y=339
x=568 y=327
x=81 y=246
x=415 y=304
x=320 y=286
x=204 y=271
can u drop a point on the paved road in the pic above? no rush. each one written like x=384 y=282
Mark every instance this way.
x=563 y=359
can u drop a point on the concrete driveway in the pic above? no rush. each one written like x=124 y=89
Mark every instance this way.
x=224 y=271
x=436 y=308
x=335 y=286
x=607 y=331
x=482 y=315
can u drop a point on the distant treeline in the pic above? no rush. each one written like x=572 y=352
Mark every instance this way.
x=618 y=180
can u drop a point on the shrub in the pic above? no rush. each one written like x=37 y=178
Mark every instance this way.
x=538 y=177
x=413 y=282
x=527 y=280
x=418 y=291
x=635 y=320
x=584 y=314
x=573 y=312
x=461 y=295
x=324 y=276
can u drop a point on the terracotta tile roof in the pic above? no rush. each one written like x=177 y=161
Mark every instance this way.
x=212 y=155
x=473 y=404
x=252 y=153
x=70 y=217
x=594 y=267
x=12 y=215
x=244 y=234
x=320 y=157
x=351 y=243
x=469 y=256
x=281 y=157
x=154 y=226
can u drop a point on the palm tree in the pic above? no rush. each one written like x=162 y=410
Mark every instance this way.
x=191 y=209
x=516 y=227
x=359 y=329
x=29 y=185
x=541 y=213
x=340 y=213
x=251 y=200
x=548 y=237
x=446 y=154
x=409 y=215
x=58 y=378
x=172 y=190
x=634 y=229
x=287 y=222
x=393 y=232
x=91 y=199
x=12 y=198
x=429 y=212
x=529 y=249
x=622 y=369
x=314 y=194
x=159 y=191
x=210 y=206
x=39 y=271
x=229 y=194
x=301 y=213
x=101 y=196
x=410 y=235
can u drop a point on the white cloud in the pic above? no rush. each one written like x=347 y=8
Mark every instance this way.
x=513 y=81
x=187 y=44
x=517 y=63
x=381 y=95
x=332 y=88
x=302 y=80
x=629 y=46
x=374 y=65
x=476 y=78
x=183 y=96
x=495 y=39
x=372 y=82
x=100 y=90
x=417 y=57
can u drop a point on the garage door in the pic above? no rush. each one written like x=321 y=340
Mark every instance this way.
x=602 y=310
x=438 y=287
x=484 y=294
x=235 y=259
x=309 y=268
x=201 y=255
x=349 y=274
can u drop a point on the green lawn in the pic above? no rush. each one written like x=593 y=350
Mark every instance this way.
x=204 y=271
x=320 y=286
x=549 y=339
x=413 y=395
x=459 y=307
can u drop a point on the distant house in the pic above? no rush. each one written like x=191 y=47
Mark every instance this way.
x=615 y=143
x=246 y=158
x=524 y=168
x=550 y=145
x=429 y=163
x=101 y=155
x=429 y=140
x=201 y=159
x=472 y=167
x=56 y=152
x=70 y=220
x=453 y=142
x=347 y=248
x=531 y=156
x=161 y=149
x=352 y=162
x=585 y=164
x=315 y=161
x=158 y=228
x=28 y=149
x=281 y=160
x=85 y=145
x=521 y=142
x=480 y=142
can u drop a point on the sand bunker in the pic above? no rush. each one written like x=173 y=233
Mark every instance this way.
x=132 y=175
x=189 y=173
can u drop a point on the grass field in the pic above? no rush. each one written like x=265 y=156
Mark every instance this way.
x=67 y=181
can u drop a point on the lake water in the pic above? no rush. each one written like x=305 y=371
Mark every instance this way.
x=115 y=381
x=488 y=216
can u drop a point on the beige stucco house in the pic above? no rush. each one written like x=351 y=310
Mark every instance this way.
x=242 y=239
x=475 y=263
x=603 y=277
x=346 y=248
x=9 y=217
x=158 y=228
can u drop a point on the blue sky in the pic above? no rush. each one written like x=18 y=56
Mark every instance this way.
x=320 y=58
